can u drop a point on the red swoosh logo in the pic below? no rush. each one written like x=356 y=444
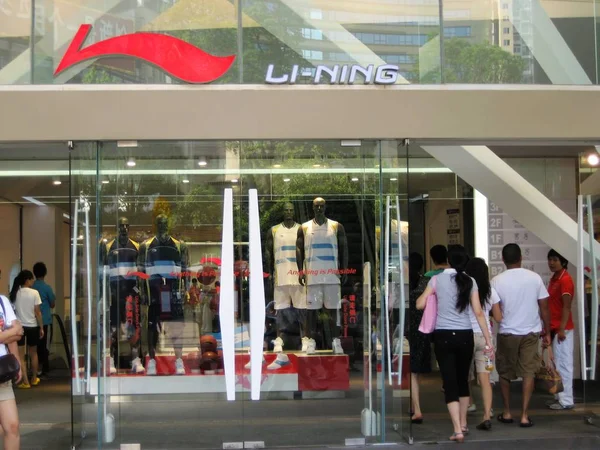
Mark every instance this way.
x=174 y=56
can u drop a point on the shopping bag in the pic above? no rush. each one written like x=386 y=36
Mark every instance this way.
x=547 y=379
x=427 y=325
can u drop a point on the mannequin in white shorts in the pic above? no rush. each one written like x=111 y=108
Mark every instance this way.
x=280 y=255
x=322 y=258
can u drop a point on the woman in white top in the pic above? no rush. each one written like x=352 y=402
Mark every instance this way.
x=10 y=333
x=27 y=303
x=456 y=294
x=488 y=297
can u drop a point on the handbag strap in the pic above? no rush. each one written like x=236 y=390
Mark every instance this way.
x=3 y=309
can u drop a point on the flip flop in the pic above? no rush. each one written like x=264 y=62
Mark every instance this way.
x=503 y=420
x=527 y=424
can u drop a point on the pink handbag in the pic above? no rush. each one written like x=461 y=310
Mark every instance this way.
x=429 y=318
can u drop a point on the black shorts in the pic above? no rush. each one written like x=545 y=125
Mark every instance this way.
x=31 y=335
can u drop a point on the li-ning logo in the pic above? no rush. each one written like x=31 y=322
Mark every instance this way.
x=176 y=57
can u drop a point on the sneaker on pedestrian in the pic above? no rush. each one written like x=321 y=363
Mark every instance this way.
x=35 y=381
x=23 y=386
x=151 y=369
x=557 y=406
x=136 y=366
x=472 y=408
x=282 y=360
x=179 y=367
x=337 y=347
x=278 y=345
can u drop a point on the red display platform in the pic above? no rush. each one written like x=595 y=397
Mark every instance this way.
x=305 y=373
x=405 y=384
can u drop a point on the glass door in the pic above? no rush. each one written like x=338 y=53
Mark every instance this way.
x=82 y=312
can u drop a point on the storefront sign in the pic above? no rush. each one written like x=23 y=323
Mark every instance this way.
x=337 y=74
x=176 y=57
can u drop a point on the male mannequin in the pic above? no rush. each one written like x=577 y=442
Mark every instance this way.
x=322 y=257
x=165 y=260
x=121 y=256
x=280 y=254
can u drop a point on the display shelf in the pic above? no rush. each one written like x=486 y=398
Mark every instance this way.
x=319 y=373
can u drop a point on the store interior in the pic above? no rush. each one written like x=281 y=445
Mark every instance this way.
x=52 y=192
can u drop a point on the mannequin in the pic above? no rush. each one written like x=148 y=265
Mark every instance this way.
x=280 y=255
x=121 y=256
x=322 y=259
x=165 y=260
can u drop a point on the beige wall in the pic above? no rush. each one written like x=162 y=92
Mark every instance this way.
x=9 y=246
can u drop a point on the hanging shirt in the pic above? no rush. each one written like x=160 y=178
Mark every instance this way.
x=284 y=247
x=321 y=252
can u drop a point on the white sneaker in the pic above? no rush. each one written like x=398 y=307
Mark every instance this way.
x=113 y=369
x=179 y=367
x=305 y=340
x=282 y=360
x=247 y=366
x=136 y=366
x=472 y=408
x=311 y=347
x=337 y=347
x=151 y=369
x=278 y=345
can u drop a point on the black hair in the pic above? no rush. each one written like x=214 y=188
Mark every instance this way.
x=563 y=261
x=511 y=254
x=478 y=270
x=458 y=259
x=415 y=264
x=194 y=280
x=40 y=270
x=439 y=254
x=19 y=282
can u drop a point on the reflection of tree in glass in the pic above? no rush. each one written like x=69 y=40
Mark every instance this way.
x=480 y=63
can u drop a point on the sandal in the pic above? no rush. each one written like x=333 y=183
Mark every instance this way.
x=527 y=424
x=503 y=420
x=457 y=437
x=417 y=420
x=486 y=425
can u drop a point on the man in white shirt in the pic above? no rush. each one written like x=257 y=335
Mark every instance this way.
x=524 y=300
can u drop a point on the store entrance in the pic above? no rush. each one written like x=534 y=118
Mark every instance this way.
x=452 y=209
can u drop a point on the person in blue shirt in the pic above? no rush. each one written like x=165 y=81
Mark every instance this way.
x=48 y=300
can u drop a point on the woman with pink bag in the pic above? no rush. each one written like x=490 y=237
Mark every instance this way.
x=456 y=294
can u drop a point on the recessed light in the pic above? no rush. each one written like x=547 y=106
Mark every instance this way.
x=276 y=166
x=105 y=181
x=185 y=181
x=354 y=179
x=593 y=159
x=393 y=179
x=234 y=180
x=202 y=162
x=286 y=180
x=131 y=162
x=316 y=165
x=56 y=182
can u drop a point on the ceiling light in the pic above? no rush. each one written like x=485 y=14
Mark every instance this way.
x=131 y=162
x=350 y=142
x=56 y=182
x=35 y=201
x=316 y=165
x=276 y=166
x=105 y=181
x=286 y=180
x=393 y=179
x=185 y=181
x=354 y=179
x=593 y=159
x=127 y=144
x=234 y=180
x=202 y=162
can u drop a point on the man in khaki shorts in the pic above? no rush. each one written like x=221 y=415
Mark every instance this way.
x=523 y=299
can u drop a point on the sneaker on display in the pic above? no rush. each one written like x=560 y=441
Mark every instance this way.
x=311 y=347
x=305 y=340
x=151 y=369
x=136 y=366
x=282 y=360
x=179 y=367
x=247 y=366
x=337 y=347
x=113 y=369
x=278 y=345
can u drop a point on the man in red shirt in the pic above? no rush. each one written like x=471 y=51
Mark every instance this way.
x=561 y=290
